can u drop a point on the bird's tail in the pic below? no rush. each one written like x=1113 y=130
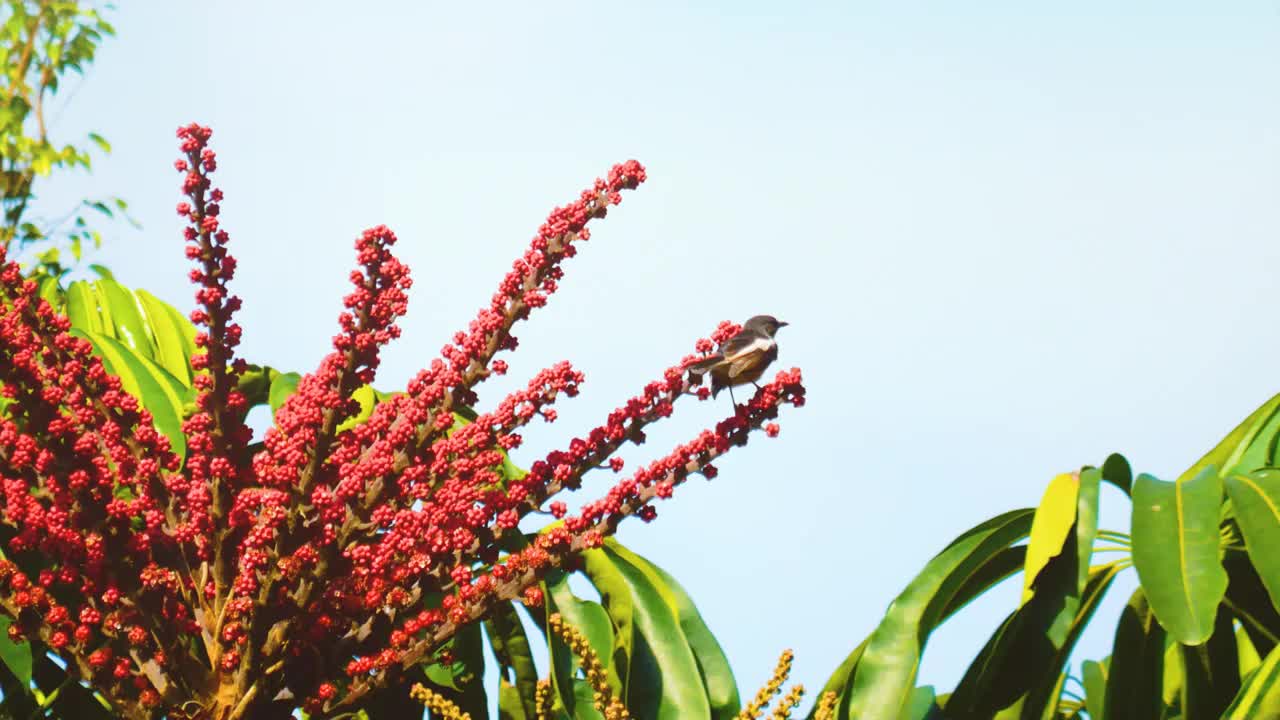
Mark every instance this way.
x=700 y=368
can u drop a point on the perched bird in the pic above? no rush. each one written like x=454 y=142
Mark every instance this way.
x=742 y=358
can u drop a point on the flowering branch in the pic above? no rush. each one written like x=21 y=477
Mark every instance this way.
x=319 y=565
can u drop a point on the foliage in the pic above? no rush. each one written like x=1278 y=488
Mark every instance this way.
x=176 y=566
x=42 y=44
x=1198 y=638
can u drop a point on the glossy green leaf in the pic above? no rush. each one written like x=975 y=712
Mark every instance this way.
x=713 y=665
x=886 y=673
x=1259 y=697
x=663 y=681
x=1211 y=674
x=282 y=386
x=82 y=308
x=1137 y=664
x=1054 y=519
x=1094 y=679
x=1175 y=550
x=1250 y=446
x=127 y=324
x=616 y=596
x=155 y=389
x=1256 y=499
x=173 y=334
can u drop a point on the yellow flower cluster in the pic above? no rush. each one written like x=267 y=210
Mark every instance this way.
x=439 y=706
x=602 y=697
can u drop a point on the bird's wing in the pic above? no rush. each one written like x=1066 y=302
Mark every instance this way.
x=744 y=344
x=746 y=361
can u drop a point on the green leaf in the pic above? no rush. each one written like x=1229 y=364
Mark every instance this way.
x=1095 y=688
x=126 y=319
x=174 y=336
x=1259 y=697
x=664 y=681
x=885 y=678
x=1116 y=470
x=103 y=272
x=593 y=622
x=511 y=649
x=1248 y=600
x=1137 y=664
x=923 y=705
x=1175 y=550
x=156 y=390
x=282 y=386
x=713 y=666
x=1250 y=446
x=1256 y=499
x=1211 y=672
x=1041 y=703
x=82 y=308
x=16 y=657
x=463 y=681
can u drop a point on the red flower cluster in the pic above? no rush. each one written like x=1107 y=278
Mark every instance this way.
x=312 y=567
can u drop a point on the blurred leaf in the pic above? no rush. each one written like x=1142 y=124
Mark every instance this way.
x=1175 y=551
x=365 y=397
x=101 y=142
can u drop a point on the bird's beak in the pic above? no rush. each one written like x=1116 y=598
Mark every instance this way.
x=783 y=324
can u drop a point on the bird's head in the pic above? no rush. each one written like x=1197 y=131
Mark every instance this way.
x=765 y=324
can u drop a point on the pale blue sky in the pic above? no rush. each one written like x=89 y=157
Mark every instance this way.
x=1009 y=241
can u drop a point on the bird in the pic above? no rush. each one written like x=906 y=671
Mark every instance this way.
x=742 y=358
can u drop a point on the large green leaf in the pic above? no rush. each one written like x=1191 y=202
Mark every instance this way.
x=1256 y=499
x=1250 y=446
x=1137 y=664
x=282 y=386
x=156 y=390
x=713 y=666
x=663 y=680
x=885 y=677
x=1260 y=695
x=1211 y=672
x=1175 y=550
x=173 y=335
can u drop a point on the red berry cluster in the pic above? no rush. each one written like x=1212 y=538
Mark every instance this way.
x=318 y=563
